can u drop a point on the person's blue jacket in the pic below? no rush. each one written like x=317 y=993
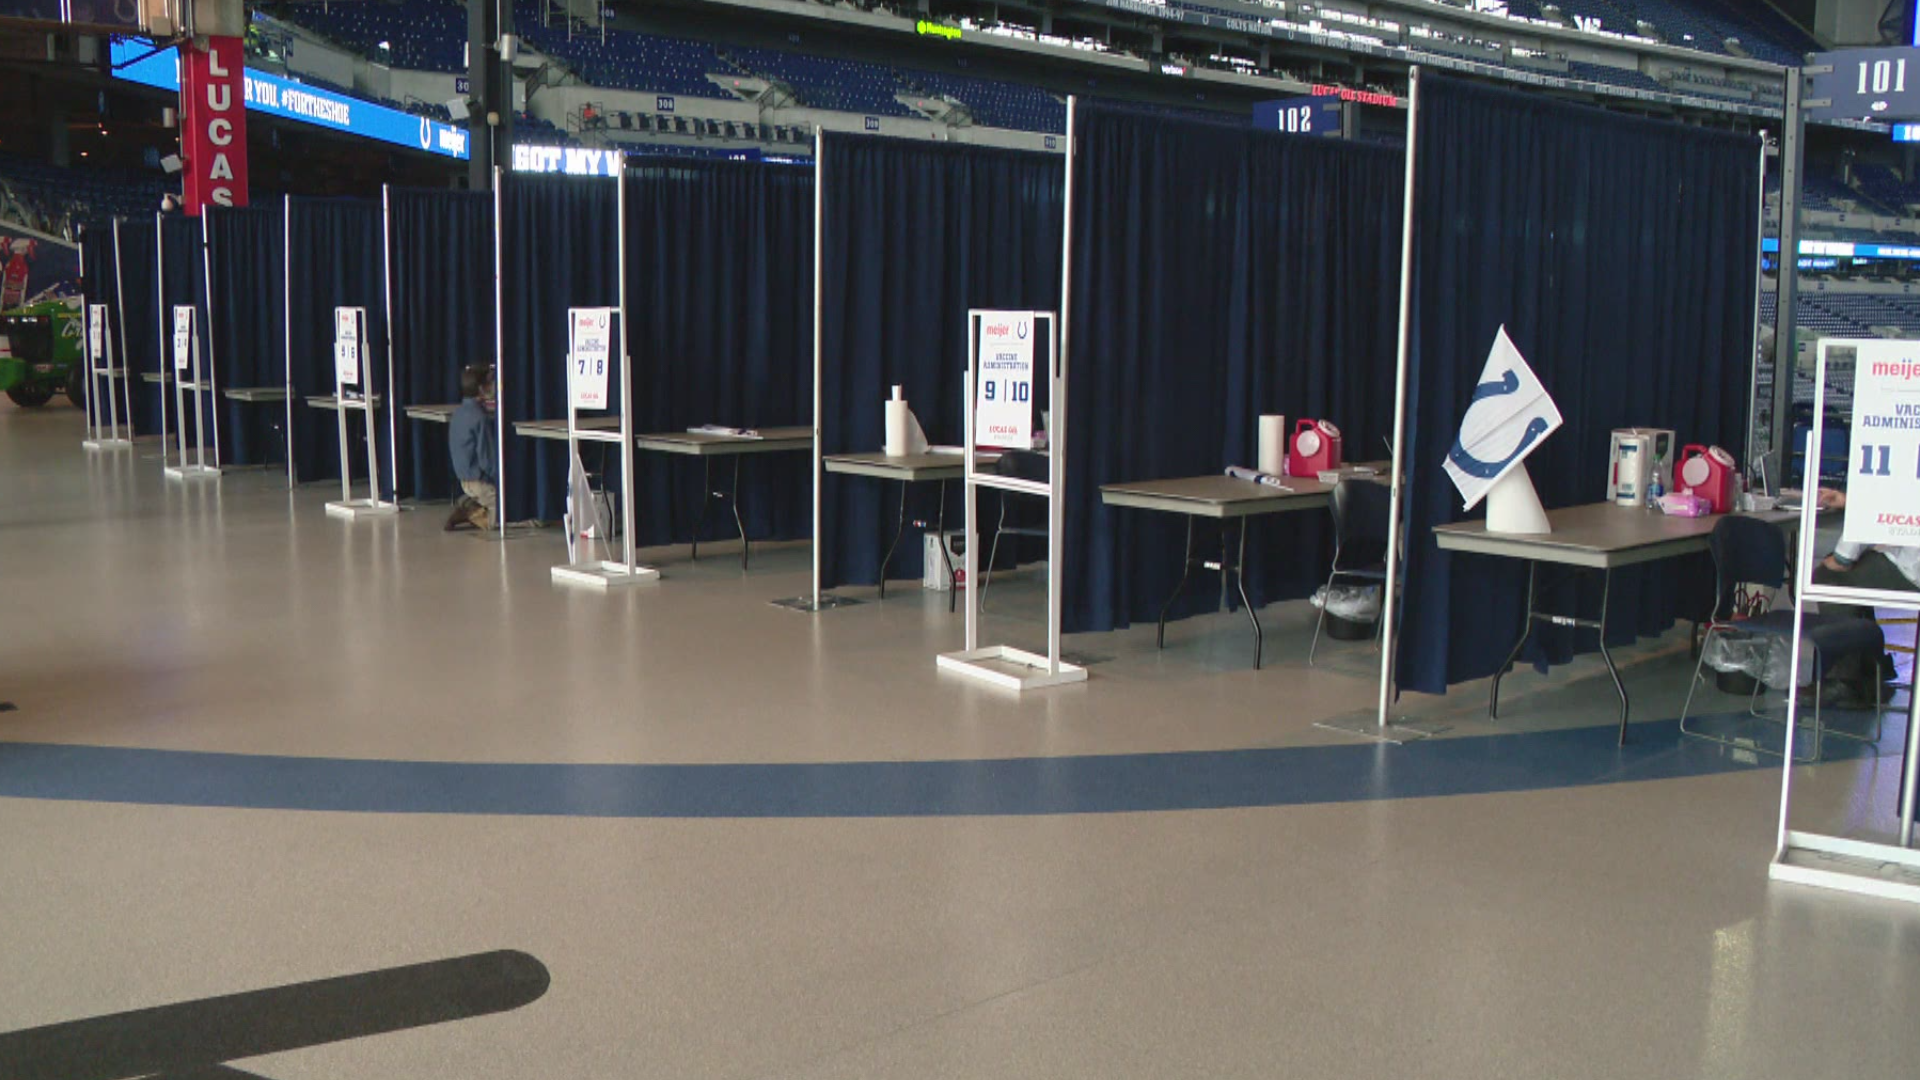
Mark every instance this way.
x=474 y=442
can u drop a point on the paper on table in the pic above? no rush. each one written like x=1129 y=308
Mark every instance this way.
x=1509 y=414
x=720 y=429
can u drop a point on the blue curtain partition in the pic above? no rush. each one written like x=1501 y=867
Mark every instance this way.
x=246 y=331
x=138 y=319
x=1618 y=252
x=1218 y=273
x=559 y=250
x=334 y=260
x=96 y=286
x=720 y=289
x=442 y=266
x=915 y=234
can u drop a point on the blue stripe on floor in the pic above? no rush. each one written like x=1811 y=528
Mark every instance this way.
x=1288 y=776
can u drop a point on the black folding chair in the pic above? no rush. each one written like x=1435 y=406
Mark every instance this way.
x=1361 y=519
x=1748 y=551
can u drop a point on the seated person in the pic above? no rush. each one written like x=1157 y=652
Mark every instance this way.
x=474 y=441
x=1858 y=566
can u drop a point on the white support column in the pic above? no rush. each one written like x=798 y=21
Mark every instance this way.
x=286 y=324
x=818 y=600
x=161 y=317
x=386 y=294
x=210 y=402
x=1383 y=729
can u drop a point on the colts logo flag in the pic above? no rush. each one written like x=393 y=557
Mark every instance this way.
x=1509 y=414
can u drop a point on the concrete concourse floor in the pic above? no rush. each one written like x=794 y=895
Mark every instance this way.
x=257 y=747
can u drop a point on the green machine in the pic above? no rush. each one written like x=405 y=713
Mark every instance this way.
x=41 y=352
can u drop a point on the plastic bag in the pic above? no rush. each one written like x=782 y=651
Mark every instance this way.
x=1355 y=603
x=1762 y=657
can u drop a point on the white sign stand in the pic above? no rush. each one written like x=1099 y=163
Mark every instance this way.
x=186 y=379
x=104 y=430
x=1884 y=476
x=350 y=371
x=1003 y=665
x=591 y=334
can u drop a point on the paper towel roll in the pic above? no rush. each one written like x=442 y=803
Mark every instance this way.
x=899 y=426
x=1272 y=458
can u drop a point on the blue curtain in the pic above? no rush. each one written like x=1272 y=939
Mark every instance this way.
x=559 y=250
x=334 y=260
x=720 y=283
x=247 y=329
x=96 y=286
x=137 y=318
x=915 y=234
x=1618 y=252
x=442 y=266
x=1219 y=273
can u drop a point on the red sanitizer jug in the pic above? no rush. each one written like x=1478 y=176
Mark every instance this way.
x=1708 y=472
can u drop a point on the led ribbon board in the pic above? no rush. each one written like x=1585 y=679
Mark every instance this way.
x=282 y=97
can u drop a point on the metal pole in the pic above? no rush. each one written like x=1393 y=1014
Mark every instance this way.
x=120 y=327
x=86 y=328
x=1061 y=326
x=393 y=403
x=1759 y=279
x=626 y=385
x=168 y=364
x=499 y=370
x=972 y=522
x=340 y=410
x=1785 y=350
x=819 y=263
x=213 y=364
x=1389 y=629
x=286 y=320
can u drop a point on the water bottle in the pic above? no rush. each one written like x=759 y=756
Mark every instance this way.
x=1654 y=491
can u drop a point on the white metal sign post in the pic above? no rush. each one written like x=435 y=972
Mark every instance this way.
x=103 y=417
x=1883 y=510
x=186 y=380
x=1000 y=359
x=353 y=392
x=591 y=353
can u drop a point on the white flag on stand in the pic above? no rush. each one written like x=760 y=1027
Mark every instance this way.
x=1509 y=415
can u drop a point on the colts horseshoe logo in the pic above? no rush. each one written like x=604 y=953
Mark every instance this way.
x=1486 y=470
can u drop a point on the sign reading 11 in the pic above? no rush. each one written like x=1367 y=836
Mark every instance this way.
x=1868 y=461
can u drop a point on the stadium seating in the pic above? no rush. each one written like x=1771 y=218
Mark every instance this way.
x=1613 y=76
x=420 y=35
x=996 y=104
x=56 y=198
x=841 y=85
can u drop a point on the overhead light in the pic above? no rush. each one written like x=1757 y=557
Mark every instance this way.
x=385 y=45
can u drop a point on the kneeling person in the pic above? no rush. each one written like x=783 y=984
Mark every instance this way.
x=475 y=444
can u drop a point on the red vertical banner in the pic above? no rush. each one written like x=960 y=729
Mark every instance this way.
x=213 y=122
